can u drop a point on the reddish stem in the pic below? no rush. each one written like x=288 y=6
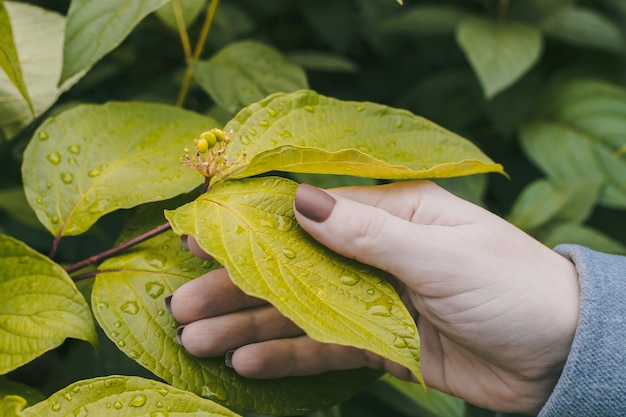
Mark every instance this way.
x=116 y=249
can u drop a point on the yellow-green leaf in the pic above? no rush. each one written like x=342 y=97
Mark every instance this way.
x=8 y=388
x=94 y=28
x=128 y=303
x=246 y=72
x=42 y=306
x=94 y=159
x=125 y=396
x=307 y=132
x=12 y=406
x=499 y=52
x=8 y=56
x=38 y=39
x=249 y=227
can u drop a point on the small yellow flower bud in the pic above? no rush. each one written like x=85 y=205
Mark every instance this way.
x=202 y=145
x=219 y=134
x=209 y=138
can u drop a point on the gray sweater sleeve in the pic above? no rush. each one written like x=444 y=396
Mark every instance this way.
x=593 y=382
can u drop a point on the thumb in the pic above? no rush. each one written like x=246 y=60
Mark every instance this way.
x=369 y=234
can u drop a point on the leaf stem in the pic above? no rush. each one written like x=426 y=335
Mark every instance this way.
x=182 y=28
x=55 y=245
x=503 y=11
x=204 y=33
x=117 y=249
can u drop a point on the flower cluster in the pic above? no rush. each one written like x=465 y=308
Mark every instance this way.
x=209 y=158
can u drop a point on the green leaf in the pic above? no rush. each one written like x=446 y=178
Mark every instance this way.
x=322 y=61
x=585 y=120
x=499 y=52
x=190 y=8
x=29 y=394
x=245 y=72
x=128 y=298
x=409 y=399
x=41 y=309
x=38 y=39
x=94 y=159
x=426 y=19
x=9 y=60
x=249 y=227
x=12 y=406
x=544 y=201
x=125 y=396
x=584 y=27
x=94 y=28
x=307 y=132
x=582 y=235
x=13 y=201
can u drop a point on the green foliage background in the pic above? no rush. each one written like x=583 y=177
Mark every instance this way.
x=538 y=85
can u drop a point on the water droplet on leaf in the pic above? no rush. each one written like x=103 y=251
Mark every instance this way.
x=310 y=109
x=94 y=172
x=154 y=289
x=54 y=158
x=138 y=400
x=75 y=149
x=43 y=135
x=67 y=177
x=130 y=307
x=117 y=405
x=348 y=280
x=289 y=253
x=272 y=112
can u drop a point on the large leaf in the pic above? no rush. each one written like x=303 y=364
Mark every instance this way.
x=42 y=306
x=425 y=19
x=128 y=298
x=12 y=405
x=8 y=56
x=94 y=159
x=245 y=72
x=577 y=135
x=125 y=396
x=544 y=201
x=585 y=27
x=499 y=52
x=308 y=132
x=38 y=39
x=94 y=28
x=249 y=227
x=29 y=394
x=190 y=9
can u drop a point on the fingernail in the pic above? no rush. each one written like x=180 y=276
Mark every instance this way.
x=168 y=303
x=313 y=203
x=179 y=335
x=183 y=242
x=228 y=358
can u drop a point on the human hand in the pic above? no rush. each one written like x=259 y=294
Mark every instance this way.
x=496 y=310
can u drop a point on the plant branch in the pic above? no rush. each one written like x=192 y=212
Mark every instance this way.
x=503 y=11
x=204 y=33
x=182 y=28
x=117 y=249
x=55 y=246
x=85 y=275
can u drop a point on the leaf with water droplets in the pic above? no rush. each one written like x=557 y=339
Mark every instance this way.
x=245 y=72
x=42 y=306
x=95 y=159
x=128 y=299
x=310 y=133
x=125 y=396
x=334 y=299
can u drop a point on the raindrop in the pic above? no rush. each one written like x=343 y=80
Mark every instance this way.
x=117 y=324
x=130 y=307
x=108 y=383
x=360 y=108
x=117 y=405
x=160 y=312
x=39 y=201
x=218 y=393
x=156 y=261
x=67 y=177
x=162 y=391
x=56 y=407
x=103 y=304
x=49 y=185
x=379 y=310
x=399 y=342
x=289 y=253
x=245 y=140
x=121 y=343
x=81 y=412
x=75 y=149
x=348 y=280
x=54 y=158
x=310 y=109
x=285 y=134
x=97 y=207
x=272 y=112
x=159 y=404
x=370 y=291
x=54 y=219
x=43 y=135
x=154 y=289
x=76 y=389
x=67 y=396
x=138 y=400
x=252 y=131
x=72 y=161
x=264 y=123
x=94 y=172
